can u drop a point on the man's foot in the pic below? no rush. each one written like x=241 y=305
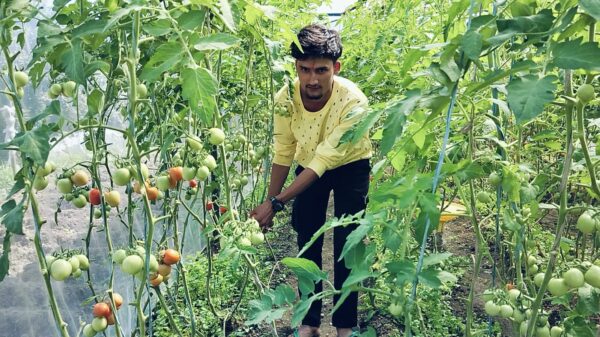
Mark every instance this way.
x=345 y=332
x=306 y=331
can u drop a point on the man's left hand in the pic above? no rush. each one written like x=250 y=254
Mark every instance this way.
x=264 y=214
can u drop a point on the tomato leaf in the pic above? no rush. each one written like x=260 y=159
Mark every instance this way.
x=471 y=44
x=192 y=19
x=301 y=308
x=307 y=271
x=528 y=95
x=576 y=55
x=225 y=14
x=12 y=216
x=95 y=102
x=218 y=41
x=357 y=236
x=166 y=57
x=88 y=28
x=199 y=86
x=158 y=27
x=394 y=124
x=4 y=263
x=34 y=143
x=592 y=7
x=266 y=308
x=403 y=271
x=72 y=62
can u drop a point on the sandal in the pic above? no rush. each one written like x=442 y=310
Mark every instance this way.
x=296 y=333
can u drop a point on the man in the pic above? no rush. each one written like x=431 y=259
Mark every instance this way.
x=321 y=109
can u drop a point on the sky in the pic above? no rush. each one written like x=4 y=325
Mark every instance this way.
x=336 y=6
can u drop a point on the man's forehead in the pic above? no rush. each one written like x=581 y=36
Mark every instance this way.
x=315 y=62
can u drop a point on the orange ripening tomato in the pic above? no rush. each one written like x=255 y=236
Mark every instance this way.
x=152 y=193
x=176 y=173
x=171 y=256
x=101 y=309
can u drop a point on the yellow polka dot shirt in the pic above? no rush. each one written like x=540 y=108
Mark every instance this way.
x=313 y=138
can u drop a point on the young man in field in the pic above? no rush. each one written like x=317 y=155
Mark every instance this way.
x=321 y=109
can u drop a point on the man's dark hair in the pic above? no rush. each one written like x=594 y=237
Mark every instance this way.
x=317 y=41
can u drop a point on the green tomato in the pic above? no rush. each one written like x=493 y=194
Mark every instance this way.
x=142 y=91
x=80 y=201
x=132 y=264
x=84 y=263
x=494 y=179
x=99 y=324
x=491 y=309
x=396 y=309
x=153 y=264
x=194 y=143
x=557 y=287
x=121 y=176
x=162 y=183
x=40 y=183
x=518 y=315
x=202 y=173
x=88 y=331
x=538 y=279
x=542 y=331
x=484 y=197
x=119 y=255
x=592 y=276
x=556 y=331
x=21 y=79
x=64 y=185
x=523 y=328
x=56 y=89
x=68 y=88
x=574 y=278
x=506 y=311
x=189 y=173
x=531 y=260
x=513 y=295
x=487 y=295
x=60 y=270
x=257 y=238
x=216 y=136
x=586 y=93
x=74 y=261
x=49 y=260
x=244 y=242
x=210 y=162
x=585 y=223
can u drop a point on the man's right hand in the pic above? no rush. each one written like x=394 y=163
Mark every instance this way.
x=264 y=214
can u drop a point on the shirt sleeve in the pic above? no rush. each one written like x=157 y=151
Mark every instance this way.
x=284 y=140
x=330 y=153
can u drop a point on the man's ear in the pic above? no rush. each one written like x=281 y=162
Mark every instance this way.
x=337 y=66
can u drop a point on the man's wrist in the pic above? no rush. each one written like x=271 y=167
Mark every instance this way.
x=276 y=204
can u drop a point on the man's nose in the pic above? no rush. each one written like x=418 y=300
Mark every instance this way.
x=313 y=78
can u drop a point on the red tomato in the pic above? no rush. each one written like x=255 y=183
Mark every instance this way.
x=193 y=183
x=222 y=209
x=209 y=205
x=95 y=196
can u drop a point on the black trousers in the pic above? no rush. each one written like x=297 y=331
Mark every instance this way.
x=350 y=184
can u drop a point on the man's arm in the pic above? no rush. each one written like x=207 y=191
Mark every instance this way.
x=263 y=213
x=278 y=175
x=301 y=183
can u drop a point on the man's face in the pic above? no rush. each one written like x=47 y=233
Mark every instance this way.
x=316 y=77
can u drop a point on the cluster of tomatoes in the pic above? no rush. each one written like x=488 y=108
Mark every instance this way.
x=67 y=264
x=73 y=184
x=131 y=262
x=512 y=304
x=243 y=234
x=103 y=316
